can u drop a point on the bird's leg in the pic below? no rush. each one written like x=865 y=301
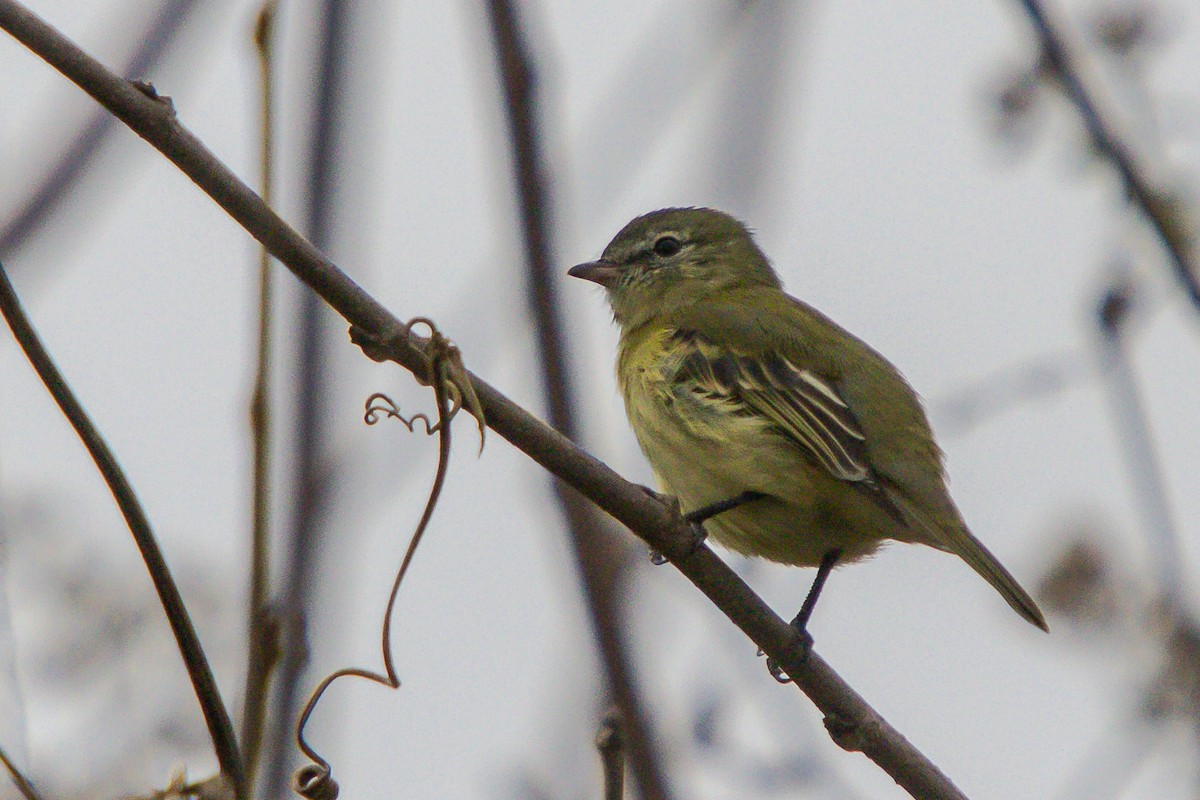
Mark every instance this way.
x=810 y=600
x=704 y=513
x=800 y=623
x=700 y=515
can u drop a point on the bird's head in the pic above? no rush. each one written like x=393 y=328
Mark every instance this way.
x=675 y=257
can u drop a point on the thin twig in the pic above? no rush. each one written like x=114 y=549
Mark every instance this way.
x=1160 y=207
x=850 y=720
x=1033 y=379
x=215 y=715
x=262 y=628
x=311 y=475
x=591 y=543
x=1142 y=461
x=611 y=745
x=23 y=784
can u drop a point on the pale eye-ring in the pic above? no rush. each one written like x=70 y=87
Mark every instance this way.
x=667 y=246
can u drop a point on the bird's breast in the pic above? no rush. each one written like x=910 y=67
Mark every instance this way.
x=689 y=436
x=664 y=406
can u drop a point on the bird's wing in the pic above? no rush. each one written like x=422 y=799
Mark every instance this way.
x=801 y=404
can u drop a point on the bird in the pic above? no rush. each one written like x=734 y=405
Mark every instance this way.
x=784 y=435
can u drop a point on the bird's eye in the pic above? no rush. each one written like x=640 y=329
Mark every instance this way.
x=667 y=246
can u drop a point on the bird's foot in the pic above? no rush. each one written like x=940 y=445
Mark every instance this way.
x=804 y=644
x=668 y=500
x=698 y=517
x=800 y=623
x=699 y=535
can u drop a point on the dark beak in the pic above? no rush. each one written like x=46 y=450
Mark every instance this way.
x=601 y=272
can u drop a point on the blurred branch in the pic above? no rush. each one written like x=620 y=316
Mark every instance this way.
x=743 y=139
x=1107 y=769
x=262 y=628
x=609 y=742
x=1085 y=587
x=592 y=544
x=1027 y=381
x=79 y=153
x=312 y=476
x=852 y=723
x=619 y=144
x=23 y=784
x=1161 y=207
x=520 y=84
x=1133 y=429
x=205 y=686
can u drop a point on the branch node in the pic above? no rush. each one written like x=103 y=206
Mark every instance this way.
x=379 y=347
x=846 y=733
x=147 y=88
x=684 y=538
x=610 y=741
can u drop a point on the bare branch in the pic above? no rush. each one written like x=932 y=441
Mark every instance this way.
x=199 y=671
x=1160 y=205
x=152 y=44
x=23 y=784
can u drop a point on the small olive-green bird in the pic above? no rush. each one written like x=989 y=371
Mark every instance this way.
x=792 y=437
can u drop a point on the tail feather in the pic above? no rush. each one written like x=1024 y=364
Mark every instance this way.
x=982 y=561
x=958 y=540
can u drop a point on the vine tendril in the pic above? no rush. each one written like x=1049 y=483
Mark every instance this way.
x=452 y=391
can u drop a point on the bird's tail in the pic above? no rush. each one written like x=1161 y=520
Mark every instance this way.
x=961 y=542
x=982 y=561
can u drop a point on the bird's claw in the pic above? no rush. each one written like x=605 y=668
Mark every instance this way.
x=699 y=535
x=668 y=500
x=805 y=644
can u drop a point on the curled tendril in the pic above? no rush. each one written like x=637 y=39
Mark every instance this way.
x=446 y=368
x=452 y=389
x=380 y=403
x=443 y=366
x=315 y=782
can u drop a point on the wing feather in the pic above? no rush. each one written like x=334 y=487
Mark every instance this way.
x=805 y=407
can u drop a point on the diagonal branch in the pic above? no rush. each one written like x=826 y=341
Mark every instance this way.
x=852 y=723
x=1161 y=208
x=23 y=784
